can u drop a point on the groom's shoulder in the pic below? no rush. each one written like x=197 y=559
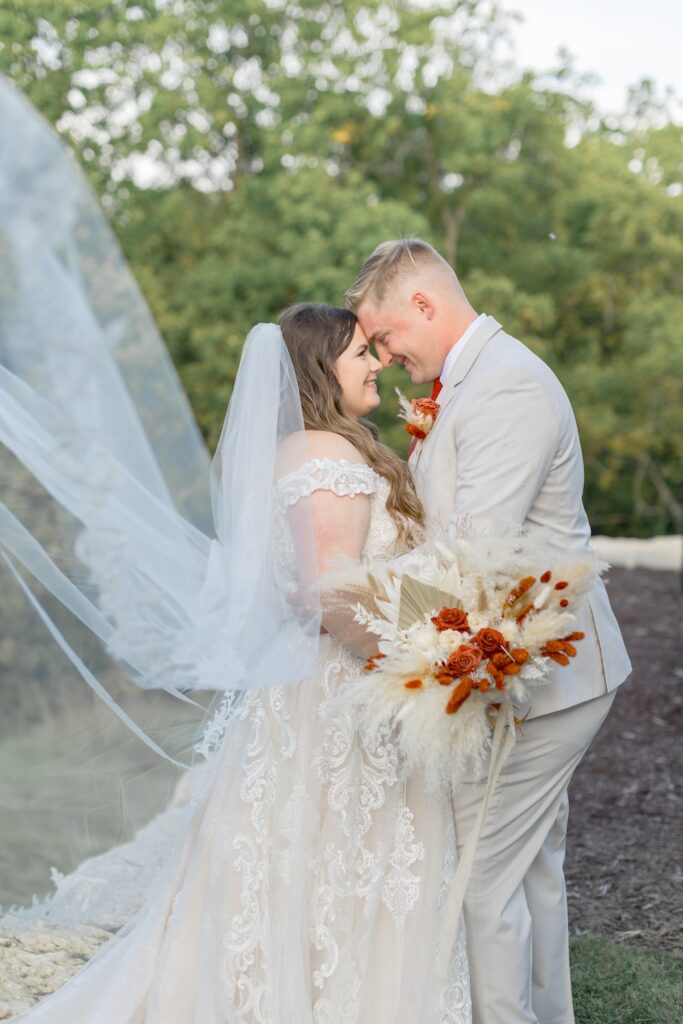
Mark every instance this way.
x=507 y=356
x=508 y=350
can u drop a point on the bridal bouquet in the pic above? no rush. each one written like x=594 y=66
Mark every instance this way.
x=464 y=630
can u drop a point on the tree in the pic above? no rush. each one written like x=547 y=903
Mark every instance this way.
x=212 y=266
x=287 y=139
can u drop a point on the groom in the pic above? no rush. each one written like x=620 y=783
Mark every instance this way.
x=504 y=445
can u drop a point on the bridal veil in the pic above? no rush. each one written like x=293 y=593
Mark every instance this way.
x=141 y=581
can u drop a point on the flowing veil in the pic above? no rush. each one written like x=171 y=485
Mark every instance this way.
x=144 y=585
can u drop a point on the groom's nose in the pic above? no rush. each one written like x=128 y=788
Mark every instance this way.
x=383 y=355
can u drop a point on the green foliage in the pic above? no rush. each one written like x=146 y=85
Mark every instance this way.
x=619 y=985
x=212 y=266
x=287 y=139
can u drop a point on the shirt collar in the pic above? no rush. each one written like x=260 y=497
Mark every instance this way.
x=458 y=348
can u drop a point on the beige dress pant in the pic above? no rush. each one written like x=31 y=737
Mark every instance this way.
x=516 y=908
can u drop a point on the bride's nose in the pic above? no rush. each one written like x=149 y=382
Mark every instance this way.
x=376 y=366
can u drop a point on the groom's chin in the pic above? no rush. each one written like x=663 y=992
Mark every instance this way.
x=416 y=375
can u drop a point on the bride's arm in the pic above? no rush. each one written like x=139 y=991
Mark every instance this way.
x=341 y=527
x=341 y=519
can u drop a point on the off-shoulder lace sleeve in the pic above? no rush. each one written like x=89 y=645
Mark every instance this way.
x=343 y=477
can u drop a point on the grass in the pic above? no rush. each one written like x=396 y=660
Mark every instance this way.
x=624 y=985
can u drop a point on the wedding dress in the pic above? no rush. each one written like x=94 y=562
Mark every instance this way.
x=307 y=880
x=294 y=876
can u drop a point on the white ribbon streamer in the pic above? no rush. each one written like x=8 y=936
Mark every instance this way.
x=501 y=747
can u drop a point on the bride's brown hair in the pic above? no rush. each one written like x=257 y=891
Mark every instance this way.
x=316 y=336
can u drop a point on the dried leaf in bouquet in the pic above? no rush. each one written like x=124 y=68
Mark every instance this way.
x=416 y=597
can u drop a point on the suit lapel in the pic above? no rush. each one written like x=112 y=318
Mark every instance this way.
x=483 y=334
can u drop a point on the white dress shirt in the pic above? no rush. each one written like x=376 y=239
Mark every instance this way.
x=458 y=348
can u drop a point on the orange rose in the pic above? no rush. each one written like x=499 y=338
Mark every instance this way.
x=490 y=640
x=426 y=407
x=463 y=661
x=452 y=618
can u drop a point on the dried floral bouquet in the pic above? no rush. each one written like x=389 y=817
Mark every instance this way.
x=463 y=629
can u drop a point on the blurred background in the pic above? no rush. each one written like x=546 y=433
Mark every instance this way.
x=251 y=153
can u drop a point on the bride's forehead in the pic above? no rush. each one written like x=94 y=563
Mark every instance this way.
x=359 y=337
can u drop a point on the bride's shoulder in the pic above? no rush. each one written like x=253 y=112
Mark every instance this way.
x=326 y=444
x=313 y=446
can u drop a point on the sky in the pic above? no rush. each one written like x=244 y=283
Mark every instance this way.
x=621 y=40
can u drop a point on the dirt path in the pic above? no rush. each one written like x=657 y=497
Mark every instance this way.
x=624 y=868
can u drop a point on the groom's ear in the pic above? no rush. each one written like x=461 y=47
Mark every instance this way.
x=423 y=304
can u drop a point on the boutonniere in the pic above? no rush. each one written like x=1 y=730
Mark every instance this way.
x=419 y=414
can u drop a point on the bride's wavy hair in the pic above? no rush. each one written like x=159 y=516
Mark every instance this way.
x=315 y=336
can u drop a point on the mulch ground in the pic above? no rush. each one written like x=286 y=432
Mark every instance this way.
x=624 y=869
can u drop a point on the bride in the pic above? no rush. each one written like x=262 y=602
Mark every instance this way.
x=308 y=881
x=293 y=876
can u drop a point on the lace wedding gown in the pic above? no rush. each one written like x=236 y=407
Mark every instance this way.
x=306 y=881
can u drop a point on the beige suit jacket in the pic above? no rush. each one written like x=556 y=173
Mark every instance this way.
x=505 y=445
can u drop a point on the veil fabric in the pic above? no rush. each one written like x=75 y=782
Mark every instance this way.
x=141 y=580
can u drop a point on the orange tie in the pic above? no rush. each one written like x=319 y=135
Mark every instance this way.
x=436 y=389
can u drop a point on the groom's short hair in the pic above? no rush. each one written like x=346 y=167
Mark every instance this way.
x=387 y=264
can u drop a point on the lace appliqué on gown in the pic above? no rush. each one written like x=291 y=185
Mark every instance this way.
x=310 y=880
x=348 y=839
x=341 y=476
